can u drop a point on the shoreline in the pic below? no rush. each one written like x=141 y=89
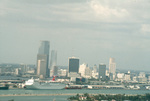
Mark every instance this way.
x=38 y=95
x=73 y=94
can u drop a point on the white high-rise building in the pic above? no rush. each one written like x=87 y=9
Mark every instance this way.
x=82 y=69
x=127 y=77
x=120 y=76
x=88 y=72
x=112 y=67
x=16 y=71
x=141 y=75
x=62 y=72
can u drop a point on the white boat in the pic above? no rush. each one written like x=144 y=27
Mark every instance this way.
x=37 y=84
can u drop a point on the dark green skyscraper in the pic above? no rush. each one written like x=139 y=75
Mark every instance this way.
x=102 y=72
x=73 y=65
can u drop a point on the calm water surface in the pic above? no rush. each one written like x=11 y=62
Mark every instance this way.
x=60 y=98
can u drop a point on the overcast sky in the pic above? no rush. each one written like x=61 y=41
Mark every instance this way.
x=92 y=30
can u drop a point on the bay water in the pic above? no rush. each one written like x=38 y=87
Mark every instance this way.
x=59 y=97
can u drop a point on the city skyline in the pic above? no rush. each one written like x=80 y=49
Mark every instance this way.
x=95 y=30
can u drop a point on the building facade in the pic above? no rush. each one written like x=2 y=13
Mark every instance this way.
x=43 y=60
x=102 y=72
x=112 y=68
x=82 y=69
x=95 y=68
x=88 y=72
x=73 y=65
x=53 y=62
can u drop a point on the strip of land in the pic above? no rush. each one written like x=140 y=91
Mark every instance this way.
x=38 y=94
x=70 y=94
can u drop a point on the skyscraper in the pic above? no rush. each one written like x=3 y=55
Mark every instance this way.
x=53 y=62
x=88 y=72
x=82 y=69
x=95 y=68
x=73 y=65
x=112 y=67
x=43 y=59
x=44 y=48
x=102 y=72
x=55 y=72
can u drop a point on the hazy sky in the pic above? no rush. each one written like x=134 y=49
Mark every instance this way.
x=92 y=30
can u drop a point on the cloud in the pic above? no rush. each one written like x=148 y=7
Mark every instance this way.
x=90 y=26
x=71 y=11
x=106 y=12
x=91 y=11
x=7 y=8
x=140 y=45
x=145 y=28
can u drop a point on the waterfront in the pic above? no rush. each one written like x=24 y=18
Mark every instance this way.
x=58 y=95
x=35 y=98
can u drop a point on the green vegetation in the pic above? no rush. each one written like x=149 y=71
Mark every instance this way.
x=11 y=100
x=108 y=97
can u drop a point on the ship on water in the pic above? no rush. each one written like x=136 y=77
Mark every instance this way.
x=37 y=84
x=4 y=87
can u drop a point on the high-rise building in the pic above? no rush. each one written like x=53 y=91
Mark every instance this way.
x=24 y=68
x=44 y=48
x=53 y=62
x=73 y=65
x=55 y=70
x=82 y=69
x=127 y=77
x=112 y=67
x=62 y=72
x=88 y=72
x=17 y=71
x=43 y=59
x=102 y=72
x=95 y=68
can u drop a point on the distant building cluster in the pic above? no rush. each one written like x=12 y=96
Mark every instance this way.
x=44 y=68
x=47 y=67
x=17 y=70
x=100 y=72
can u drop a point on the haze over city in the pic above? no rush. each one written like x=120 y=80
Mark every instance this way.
x=92 y=30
